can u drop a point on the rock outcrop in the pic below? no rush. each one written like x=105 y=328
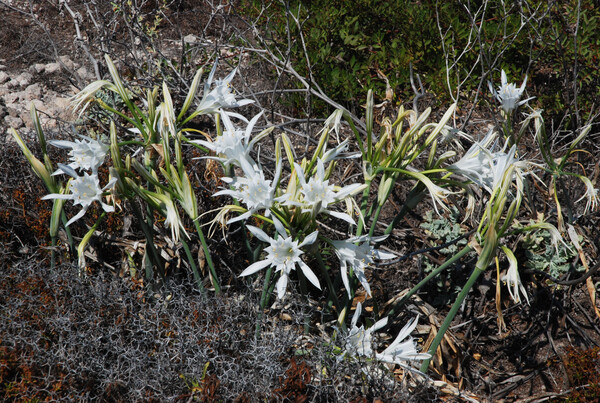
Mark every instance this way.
x=37 y=86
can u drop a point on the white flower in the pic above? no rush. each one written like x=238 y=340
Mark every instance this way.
x=318 y=194
x=338 y=152
x=478 y=162
x=487 y=168
x=84 y=190
x=221 y=96
x=509 y=94
x=233 y=145
x=591 y=194
x=253 y=190
x=87 y=94
x=403 y=348
x=334 y=121
x=166 y=206
x=502 y=166
x=283 y=254
x=437 y=193
x=512 y=278
x=85 y=154
x=357 y=253
x=359 y=342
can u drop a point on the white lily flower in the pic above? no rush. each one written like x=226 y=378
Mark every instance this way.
x=437 y=193
x=338 y=152
x=283 y=254
x=359 y=342
x=591 y=194
x=478 y=162
x=403 y=348
x=357 y=253
x=502 y=164
x=233 y=145
x=512 y=278
x=318 y=194
x=86 y=95
x=220 y=96
x=84 y=190
x=509 y=94
x=85 y=154
x=256 y=192
x=334 y=122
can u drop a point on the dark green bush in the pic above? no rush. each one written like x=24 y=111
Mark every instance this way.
x=353 y=45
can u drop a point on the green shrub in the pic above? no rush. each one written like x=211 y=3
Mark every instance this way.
x=352 y=45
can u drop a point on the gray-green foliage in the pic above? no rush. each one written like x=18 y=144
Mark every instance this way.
x=442 y=230
x=541 y=254
x=445 y=229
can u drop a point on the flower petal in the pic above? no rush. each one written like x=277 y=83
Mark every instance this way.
x=281 y=285
x=357 y=314
x=309 y=239
x=255 y=267
x=341 y=216
x=279 y=227
x=260 y=234
x=57 y=196
x=309 y=274
x=76 y=217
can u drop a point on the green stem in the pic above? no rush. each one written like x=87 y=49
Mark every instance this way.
x=375 y=218
x=190 y=258
x=209 y=261
x=155 y=256
x=363 y=208
x=63 y=218
x=453 y=311
x=431 y=275
x=264 y=299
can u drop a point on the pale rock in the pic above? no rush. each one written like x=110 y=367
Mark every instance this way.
x=13 y=83
x=26 y=114
x=191 y=39
x=52 y=68
x=39 y=104
x=85 y=74
x=3 y=77
x=37 y=68
x=4 y=91
x=13 y=122
x=34 y=91
x=12 y=97
x=24 y=79
x=69 y=64
x=63 y=108
x=14 y=110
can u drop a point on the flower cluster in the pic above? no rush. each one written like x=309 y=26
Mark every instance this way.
x=294 y=210
x=486 y=167
x=359 y=342
x=86 y=154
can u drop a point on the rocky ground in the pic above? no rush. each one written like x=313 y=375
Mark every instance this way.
x=37 y=86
